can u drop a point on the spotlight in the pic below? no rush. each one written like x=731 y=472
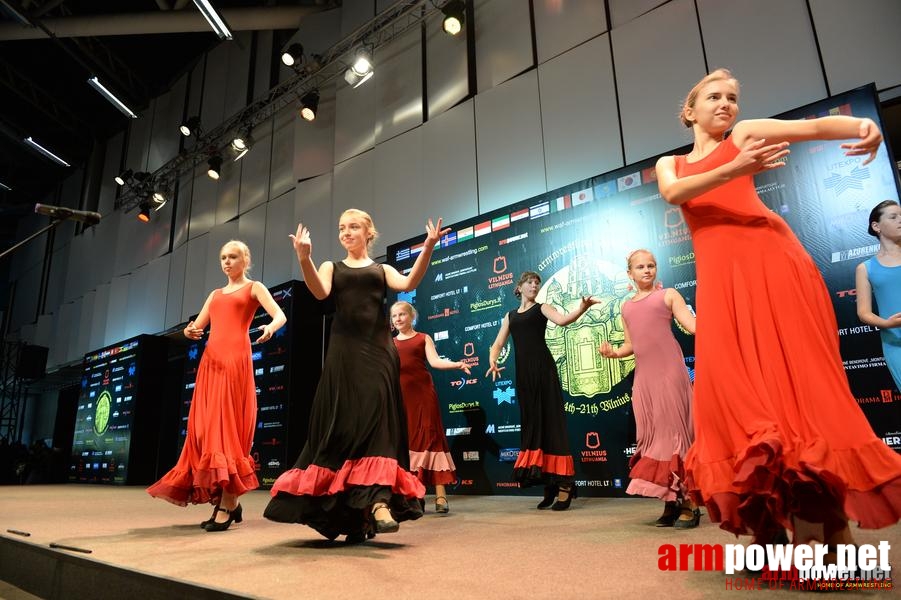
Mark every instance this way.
x=309 y=104
x=293 y=55
x=144 y=213
x=124 y=177
x=160 y=198
x=191 y=126
x=351 y=77
x=215 y=165
x=242 y=141
x=362 y=62
x=454 y=16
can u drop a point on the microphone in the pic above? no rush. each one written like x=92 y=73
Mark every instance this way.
x=62 y=213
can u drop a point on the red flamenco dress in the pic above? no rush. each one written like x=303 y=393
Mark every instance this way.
x=356 y=450
x=222 y=419
x=544 y=455
x=430 y=457
x=778 y=433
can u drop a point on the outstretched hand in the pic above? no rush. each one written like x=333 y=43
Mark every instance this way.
x=893 y=321
x=494 y=371
x=588 y=302
x=870 y=138
x=464 y=367
x=267 y=334
x=607 y=351
x=758 y=156
x=434 y=232
x=301 y=240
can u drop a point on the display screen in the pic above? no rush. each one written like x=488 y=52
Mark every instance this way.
x=272 y=375
x=105 y=416
x=577 y=239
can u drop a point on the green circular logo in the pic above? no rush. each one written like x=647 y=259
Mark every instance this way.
x=101 y=413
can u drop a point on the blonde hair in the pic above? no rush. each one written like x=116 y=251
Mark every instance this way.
x=407 y=307
x=638 y=251
x=367 y=220
x=526 y=276
x=715 y=75
x=243 y=248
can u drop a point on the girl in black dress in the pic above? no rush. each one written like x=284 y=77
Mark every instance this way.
x=352 y=477
x=544 y=456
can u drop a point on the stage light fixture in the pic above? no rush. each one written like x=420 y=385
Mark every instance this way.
x=215 y=166
x=144 y=213
x=30 y=141
x=214 y=19
x=189 y=127
x=454 y=17
x=309 y=104
x=355 y=80
x=293 y=55
x=124 y=177
x=95 y=83
x=362 y=62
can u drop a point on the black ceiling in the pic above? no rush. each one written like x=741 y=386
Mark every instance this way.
x=44 y=91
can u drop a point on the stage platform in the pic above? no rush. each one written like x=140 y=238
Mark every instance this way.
x=486 y=548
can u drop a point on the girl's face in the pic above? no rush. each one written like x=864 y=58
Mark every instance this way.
x=716 y=106
x=529 y=288
x=352 y=232
x=643 y=270
x=401 y=319
x=232 y=261
x=889 y=223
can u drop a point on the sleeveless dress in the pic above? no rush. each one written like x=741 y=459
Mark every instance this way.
x=430 y=457
x=544 y=455
x=223 y=414
x=356 y=450
x=661 y=398
x=777 y=430
x=886 y=284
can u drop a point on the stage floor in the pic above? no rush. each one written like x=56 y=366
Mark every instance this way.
x=487 y=547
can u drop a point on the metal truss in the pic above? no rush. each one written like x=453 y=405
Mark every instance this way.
x=11 y=395
x=385 y=27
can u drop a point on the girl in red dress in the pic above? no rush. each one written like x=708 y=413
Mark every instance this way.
x=430 y=455
x=780 y=440
x=215 y=464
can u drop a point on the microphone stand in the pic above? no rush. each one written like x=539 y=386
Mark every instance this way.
x=53 y=223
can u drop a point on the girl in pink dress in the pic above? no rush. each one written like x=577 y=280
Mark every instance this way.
x=661 y=393
x=430 y=457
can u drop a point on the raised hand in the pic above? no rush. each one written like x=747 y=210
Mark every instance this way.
x=433 y=233
x=870 y=138
x=494 y=371
x=758 y=156
x=301 y=240
x=191 y=332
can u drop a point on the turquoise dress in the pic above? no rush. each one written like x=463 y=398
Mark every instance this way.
x=886 y=284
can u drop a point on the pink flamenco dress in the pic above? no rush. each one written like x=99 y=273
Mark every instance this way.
x=222 y=419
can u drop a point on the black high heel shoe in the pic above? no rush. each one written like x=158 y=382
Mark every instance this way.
x=234 y=515
x=669 y=516
x=550 y=493
x=690 y=523
x=212 y=518
x=383 y=526
x=571 y=492
x=439 y=507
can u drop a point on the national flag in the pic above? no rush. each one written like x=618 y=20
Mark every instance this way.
x=582 y=196
x=464 y=234
x=649 y=175
x=627 y=182
x=605 y=190
x=402 y=254
x=523 y=213
x=562 y=203
x=483 y=228
x=500 y=223
x=539 y=210
x=416 y=249
x=449 y=240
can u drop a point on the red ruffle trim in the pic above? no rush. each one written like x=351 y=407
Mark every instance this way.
x=762 y=489
x=428 y=477
x=204 y=484
x=553 y=464
x=656 y=478
x=367 y=471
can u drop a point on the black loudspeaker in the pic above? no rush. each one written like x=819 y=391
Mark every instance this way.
x=32 y=362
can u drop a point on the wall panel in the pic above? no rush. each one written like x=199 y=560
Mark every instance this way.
x=313 y=207
x=314 y=141
x=277 y=254
x=400 y=201
x=560 y=26
x=503 y=41
x=447 y=76
x=398 y=85
x=281 y=175
x=450 y=185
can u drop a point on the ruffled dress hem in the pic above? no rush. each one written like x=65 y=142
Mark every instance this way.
x=534 y=467
x=656 y=478
x=214 y=473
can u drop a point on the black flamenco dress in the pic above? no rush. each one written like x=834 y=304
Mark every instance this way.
x=356 y=452
x=544 y=456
